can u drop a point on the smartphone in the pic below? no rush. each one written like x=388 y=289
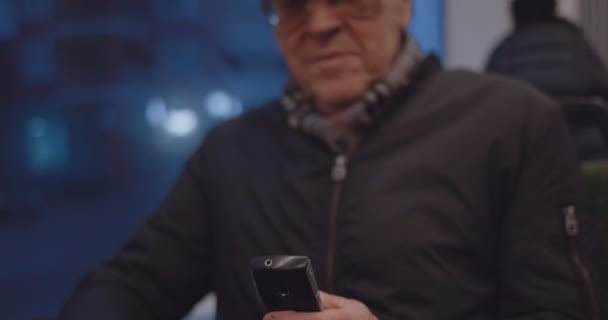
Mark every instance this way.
x=285 y=283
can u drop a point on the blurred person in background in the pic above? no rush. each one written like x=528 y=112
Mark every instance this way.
x=417 y=193
x=552 y=54
x=549 y=52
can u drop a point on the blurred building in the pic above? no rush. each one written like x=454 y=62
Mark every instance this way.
x=92 y=88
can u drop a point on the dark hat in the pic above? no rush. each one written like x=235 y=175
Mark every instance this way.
x=530 y=11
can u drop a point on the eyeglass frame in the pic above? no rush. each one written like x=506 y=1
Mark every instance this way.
x=273 y=19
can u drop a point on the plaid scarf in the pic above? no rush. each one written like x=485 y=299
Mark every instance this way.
x=342 y=131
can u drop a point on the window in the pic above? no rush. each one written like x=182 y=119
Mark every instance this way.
x=427 y=25
x=46 y=145
x=38 y=60
x=179 y=10
x=96 y=59
x=37 y=9
x=179 y=57
x=87 y=8
x=8 y=20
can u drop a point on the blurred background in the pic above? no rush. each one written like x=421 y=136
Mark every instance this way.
x=101 y=102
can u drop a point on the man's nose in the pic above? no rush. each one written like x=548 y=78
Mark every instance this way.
x=322 y=18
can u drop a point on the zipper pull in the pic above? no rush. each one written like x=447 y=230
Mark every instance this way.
x=571 y=221
x=339 y=171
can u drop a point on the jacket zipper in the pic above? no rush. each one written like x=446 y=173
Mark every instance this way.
x=573 y=231
x=338 y=174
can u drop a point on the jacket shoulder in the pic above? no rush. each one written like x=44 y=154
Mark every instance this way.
x=492 y=89
x=257 y=120
x=508 y=103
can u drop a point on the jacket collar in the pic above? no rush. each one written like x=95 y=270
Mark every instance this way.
x=343 y=131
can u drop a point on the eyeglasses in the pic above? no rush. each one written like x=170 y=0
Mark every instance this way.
x=290 y=14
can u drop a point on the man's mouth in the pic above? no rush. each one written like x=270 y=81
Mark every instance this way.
x=330 y=59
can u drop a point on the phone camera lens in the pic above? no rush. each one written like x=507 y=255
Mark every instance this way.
x=283 y=292
x=268 y=262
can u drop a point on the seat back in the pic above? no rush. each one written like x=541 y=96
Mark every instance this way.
x=588 y=122
x=596 y=177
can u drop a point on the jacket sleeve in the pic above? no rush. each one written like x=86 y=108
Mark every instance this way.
x=549 y=243
x=164 y=269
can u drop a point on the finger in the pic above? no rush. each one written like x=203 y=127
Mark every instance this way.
x=290 y=315
x=279 y=315
x=329 y=301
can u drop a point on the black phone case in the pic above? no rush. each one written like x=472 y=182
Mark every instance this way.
x=285 y=283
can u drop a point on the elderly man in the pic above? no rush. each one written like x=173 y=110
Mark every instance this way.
x=417 y=193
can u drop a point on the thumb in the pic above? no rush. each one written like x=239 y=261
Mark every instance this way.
x=329 y=301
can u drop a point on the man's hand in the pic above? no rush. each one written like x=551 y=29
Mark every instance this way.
x=334 y=308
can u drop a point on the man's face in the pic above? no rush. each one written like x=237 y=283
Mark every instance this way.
x=340 y=47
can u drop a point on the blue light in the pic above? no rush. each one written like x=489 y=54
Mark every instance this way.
x=156 y=112
x=46 y=146
x=221 y=105
x=181 y=123
x=37 y=127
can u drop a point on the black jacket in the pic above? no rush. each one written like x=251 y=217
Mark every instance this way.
x=553 y=56
x=453 y=208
